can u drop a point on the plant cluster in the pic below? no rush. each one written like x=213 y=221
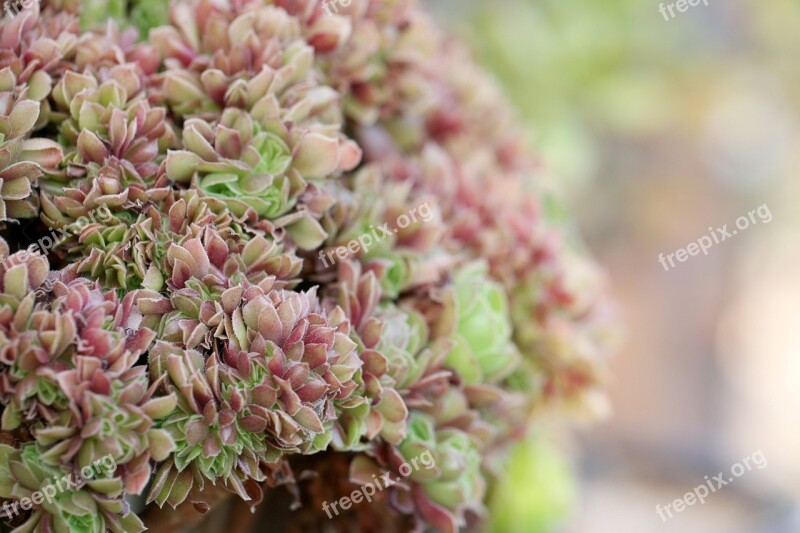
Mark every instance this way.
x=193 y=334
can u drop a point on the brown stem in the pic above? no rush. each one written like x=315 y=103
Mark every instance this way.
x=297 y=508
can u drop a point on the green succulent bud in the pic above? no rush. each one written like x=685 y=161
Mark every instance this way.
x=483 y=349
x=421 y=438
x=258 y=187
x=404 y=335
x=460 y=463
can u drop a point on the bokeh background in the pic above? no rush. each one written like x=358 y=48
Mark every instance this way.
x=652 y=131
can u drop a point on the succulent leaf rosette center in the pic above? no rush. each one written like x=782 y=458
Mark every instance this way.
x=263 y=186
x=483 y=350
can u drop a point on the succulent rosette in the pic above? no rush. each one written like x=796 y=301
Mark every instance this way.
x=94 y=505
x=26 y=347
x=447 y=489
x=244 y=165
x=391 y=227
x=69 y=374
x=402 y=365
x=456 y=483
x=269 y=230
x=312 y=361
x=355 y=297
x=114 y=419
x=218 y=427
x=22 y=159
x=115 y=137
x=275 y=129
x=403 y=339
x=257 y=170
x=272 y=390
x=483 y=351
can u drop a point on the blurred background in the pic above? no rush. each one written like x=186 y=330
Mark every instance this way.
x=653 y=131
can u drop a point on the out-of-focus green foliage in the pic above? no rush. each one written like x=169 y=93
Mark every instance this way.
x=149 y=14
x=144 y=14
x=96 y=11
x=536 y=491
x=574 y=67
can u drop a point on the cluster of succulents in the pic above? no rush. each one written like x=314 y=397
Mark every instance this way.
x=196 y=159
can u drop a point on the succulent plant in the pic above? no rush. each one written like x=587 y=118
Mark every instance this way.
x=483 y=350
x=94 y=505
x=244 y=165
x=271 y=390
x=21 y=158
x=218 y=427
x=68 y=374
x=457 y=480
x=115 y=137
x=257 y=168
x=194 y=162
x=450 y=484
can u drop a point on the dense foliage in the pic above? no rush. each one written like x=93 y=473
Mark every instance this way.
x=194 y=178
